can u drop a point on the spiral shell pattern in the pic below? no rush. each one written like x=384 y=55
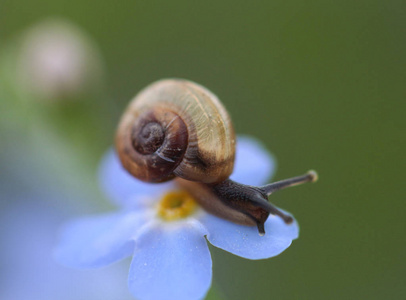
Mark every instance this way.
x=176 y=128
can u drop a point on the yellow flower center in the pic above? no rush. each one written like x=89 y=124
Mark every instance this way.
x=176 y=205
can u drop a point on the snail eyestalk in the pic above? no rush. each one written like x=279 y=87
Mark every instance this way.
x=310 y=176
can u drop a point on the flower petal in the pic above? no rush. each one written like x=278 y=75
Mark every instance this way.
x=27 y=230
x=245 y=241
x=98 y=241
x=124 y=189
x=254 y=165
x=171 y=261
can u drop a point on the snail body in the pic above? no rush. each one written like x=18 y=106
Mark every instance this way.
x=177 y=129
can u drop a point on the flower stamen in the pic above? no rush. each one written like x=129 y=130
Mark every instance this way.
x=176 y=205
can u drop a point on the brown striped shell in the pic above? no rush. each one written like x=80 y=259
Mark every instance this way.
x=176 y=128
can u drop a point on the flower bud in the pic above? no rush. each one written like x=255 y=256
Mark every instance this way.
x=58 y=61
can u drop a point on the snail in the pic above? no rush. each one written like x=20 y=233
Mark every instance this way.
x=178 y=129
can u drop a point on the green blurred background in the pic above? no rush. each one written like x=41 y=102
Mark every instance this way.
x=320 y=83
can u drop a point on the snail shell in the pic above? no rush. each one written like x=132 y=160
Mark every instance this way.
x=176 y=128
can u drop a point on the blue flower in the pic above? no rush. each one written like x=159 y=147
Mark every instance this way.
x=171 y=259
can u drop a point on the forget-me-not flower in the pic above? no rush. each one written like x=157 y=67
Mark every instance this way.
x=164 y=230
